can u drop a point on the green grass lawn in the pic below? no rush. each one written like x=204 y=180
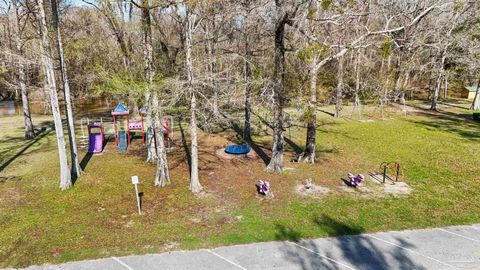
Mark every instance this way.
x=97 y=217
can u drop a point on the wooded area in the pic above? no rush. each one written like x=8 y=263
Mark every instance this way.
x=178 y=125
x=214 y=57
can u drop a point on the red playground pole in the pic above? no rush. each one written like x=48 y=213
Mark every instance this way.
x=115 y=129
x=166 y=129
x=128 y=130
x=143 y=131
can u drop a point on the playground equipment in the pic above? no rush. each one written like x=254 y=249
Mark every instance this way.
x=121 y=111
x=167 y=129
x=237 y=149
x=129 y=127
x=391 y=165
x=355 y=180
x=95 y=139
x=138 y=126
x=84 y=138
x=263 y=187
x=122 y=141
x=167 y=122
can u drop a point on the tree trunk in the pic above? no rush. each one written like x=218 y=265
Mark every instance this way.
x=150 y=138
x=150 y=99
x=211 y=63
x=247 y=130
x=276 y=162
x=195 y=185
x=396 y=81
x=50 y=85
x=162 y=177
x=47 y=108
x=476 y=100
x=308 y=155
x=357 y=104
x=445 y=94
x=438 y=82
x=76 y=169
x=247 y=74
x=339 y=96
x=404 y=103
x=436 y=92
x=29 y=131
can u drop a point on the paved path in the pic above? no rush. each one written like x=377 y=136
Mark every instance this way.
x=442 y=248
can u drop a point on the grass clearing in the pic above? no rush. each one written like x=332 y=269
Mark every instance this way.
x=97 y=218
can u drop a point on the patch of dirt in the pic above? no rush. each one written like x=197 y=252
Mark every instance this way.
x=362 y=188
x=222 y=154
x=10 y=196
x=391 y=187
x=204 y=195
x=398 y=189
x=313 y=191
x=375 y=188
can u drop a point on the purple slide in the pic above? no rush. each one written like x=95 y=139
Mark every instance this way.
x=95 y=143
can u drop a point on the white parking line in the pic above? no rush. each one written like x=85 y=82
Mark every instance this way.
x=322 y=256
x=412 y=251
x=227 y=260
x=476 y=227
x=122 y=263
x=459 y=235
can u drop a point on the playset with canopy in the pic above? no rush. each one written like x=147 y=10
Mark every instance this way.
x=118 y=113
x=123 y=129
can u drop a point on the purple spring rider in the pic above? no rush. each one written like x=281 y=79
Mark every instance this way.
x=355 y=180
x=263 y=187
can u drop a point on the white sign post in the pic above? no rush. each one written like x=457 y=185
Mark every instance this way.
x=135 y=183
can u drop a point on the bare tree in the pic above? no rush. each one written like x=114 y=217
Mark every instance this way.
x=151 y=99
x=115 y=15
x=323 y=52
x=247 y=70
x=76 y=169
x=17 y=36
x=339 y=93
x=444 y=40
x=50 y=85
x=162 y=177
x=283 y=15
x=195 y=185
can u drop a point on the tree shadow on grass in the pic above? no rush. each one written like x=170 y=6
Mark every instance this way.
x=85 y=160
x=83 y=166
x=450 y=104
x=350 y=249
x=186 y=149
x=296 y=148
x=88 y=156
x=450 y=122
x=40 y=135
